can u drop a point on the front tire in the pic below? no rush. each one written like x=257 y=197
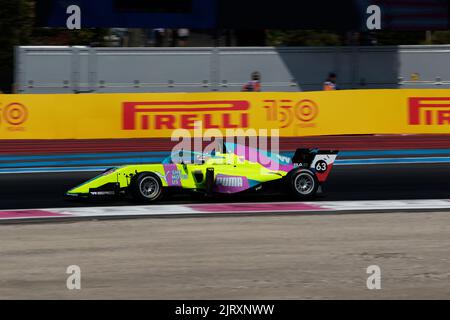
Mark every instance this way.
x=303 y=184
x=146 y=187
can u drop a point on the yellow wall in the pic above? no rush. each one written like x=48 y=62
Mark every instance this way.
x=97 y=116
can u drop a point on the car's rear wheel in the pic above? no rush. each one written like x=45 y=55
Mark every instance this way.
x=303 y=184
x=146 y=187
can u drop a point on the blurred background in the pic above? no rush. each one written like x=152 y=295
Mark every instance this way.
x=215 y=45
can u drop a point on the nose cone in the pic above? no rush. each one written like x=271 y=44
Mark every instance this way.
x=108 y=177
x=79 y=190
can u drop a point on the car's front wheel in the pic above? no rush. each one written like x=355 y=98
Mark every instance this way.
x=146 y=187
x=303 y=184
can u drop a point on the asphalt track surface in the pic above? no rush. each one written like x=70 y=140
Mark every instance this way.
x=252 y=257
x=362 y=182
x=240 y=257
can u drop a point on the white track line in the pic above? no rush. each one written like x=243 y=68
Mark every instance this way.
x=225 y=208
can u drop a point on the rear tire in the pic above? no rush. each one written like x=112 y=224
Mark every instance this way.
x=146 y=187
x=303 y=184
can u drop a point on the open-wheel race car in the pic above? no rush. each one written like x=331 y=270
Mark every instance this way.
x=235 y=169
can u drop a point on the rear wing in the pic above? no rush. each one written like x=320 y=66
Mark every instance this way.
x=319 y=161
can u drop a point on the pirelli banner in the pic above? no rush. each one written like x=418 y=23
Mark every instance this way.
x=104 y=116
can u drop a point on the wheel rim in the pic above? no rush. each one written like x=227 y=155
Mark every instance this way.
x=149 y=187
x=304 y=183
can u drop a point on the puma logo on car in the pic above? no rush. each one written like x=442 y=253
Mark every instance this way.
x=230 y=181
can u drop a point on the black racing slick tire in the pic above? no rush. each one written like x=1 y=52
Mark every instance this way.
x=303 y=184
x=146 y=187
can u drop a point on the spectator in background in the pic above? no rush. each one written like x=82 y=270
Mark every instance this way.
x=183 y=37
x=159 y=36
x=330 y=83
x=254 y=85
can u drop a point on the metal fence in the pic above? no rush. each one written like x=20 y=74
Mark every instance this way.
x=108 y=70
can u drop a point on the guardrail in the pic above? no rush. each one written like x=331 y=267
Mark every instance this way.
x=225 y=69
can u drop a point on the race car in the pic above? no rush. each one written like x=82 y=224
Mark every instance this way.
x=234 y=169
